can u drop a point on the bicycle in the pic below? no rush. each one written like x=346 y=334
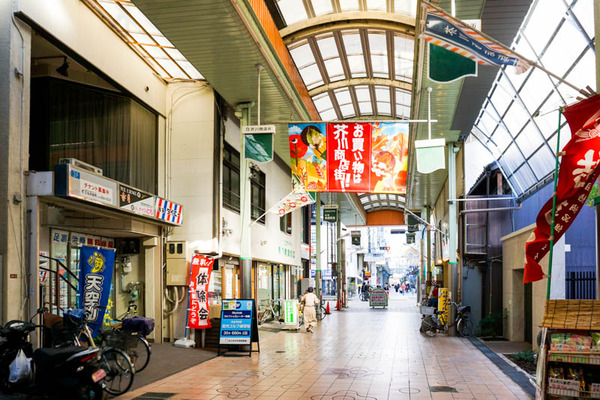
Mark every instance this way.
x=321 y=311
x=115 y=362
x=134 y=343
x=269 y=313
x=432 y=324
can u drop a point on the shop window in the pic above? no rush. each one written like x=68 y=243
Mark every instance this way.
x=231 y=178
x=258 y=195
x=103 y=128
x=285 y=223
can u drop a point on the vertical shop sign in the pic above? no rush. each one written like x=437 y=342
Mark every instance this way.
x=349 y=157
x=201 y=269
x=95 y=280
x=444 y=305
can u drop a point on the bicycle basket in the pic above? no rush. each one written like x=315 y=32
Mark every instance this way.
x=427 y=310
x=464 y=310
x=121 y=339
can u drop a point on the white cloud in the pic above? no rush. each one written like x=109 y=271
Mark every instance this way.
x=295 y=129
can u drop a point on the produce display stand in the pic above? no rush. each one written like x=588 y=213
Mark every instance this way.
x=569 y=360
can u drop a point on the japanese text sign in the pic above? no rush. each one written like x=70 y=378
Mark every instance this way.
x=201 y=269
x=349 y=154
x=95 y=279
x=350 y=157
x=236 y=322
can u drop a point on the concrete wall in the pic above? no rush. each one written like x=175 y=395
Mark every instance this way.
x=189 y=169
x=15 y=40
x=513 y=254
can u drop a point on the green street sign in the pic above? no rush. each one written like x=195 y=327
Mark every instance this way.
x=330 y=213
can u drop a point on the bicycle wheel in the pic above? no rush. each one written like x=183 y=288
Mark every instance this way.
x=119 y=371
x=465 y=327
x=321 y=316
x=140 y=355
x=428 y=327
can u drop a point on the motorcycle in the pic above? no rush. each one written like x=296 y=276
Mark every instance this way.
x=70 y=372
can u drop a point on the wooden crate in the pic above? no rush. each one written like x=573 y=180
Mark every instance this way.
x=572 y=314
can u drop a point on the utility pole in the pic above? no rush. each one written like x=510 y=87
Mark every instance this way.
x=245 y=209
x=318 y=246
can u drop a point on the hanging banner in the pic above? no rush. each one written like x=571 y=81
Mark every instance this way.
x=201 y=269
x=389 y=157
x=95 y=278
x=308 y=145
x=294 y=200
x=349 y=153
x=350 y=157
x=579 y=169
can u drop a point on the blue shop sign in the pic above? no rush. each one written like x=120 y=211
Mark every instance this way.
x=236 y=322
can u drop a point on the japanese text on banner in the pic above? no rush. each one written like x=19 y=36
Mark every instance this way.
x=201 y=270
x=349 y=155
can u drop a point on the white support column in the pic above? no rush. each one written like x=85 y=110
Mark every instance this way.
x=452 y=230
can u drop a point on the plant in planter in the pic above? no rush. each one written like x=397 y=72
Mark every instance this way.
x=492 y=325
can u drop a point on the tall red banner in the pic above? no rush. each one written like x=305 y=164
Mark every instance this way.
x=201 y=270
x=579 y=169
x=349 y=157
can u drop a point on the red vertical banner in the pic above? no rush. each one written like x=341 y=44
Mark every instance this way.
x=201 y=269
x=348 y=157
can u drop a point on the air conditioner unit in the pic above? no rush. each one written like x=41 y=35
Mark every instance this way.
x=80 y=164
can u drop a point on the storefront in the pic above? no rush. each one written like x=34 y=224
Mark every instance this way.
x=73 y=207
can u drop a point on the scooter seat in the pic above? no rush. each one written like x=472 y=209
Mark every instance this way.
x=51 y=357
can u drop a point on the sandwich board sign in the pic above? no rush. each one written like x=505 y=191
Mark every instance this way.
x=239 y=325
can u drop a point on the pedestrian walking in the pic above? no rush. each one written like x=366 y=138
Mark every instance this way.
x=310 y=301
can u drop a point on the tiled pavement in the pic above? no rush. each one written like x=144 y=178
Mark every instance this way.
x=360 y=353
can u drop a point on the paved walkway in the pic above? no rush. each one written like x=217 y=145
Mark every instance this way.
x=359 y=353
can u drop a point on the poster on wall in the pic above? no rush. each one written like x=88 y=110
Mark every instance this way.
x=200 y=272
x=369 y=157
x=95 y=280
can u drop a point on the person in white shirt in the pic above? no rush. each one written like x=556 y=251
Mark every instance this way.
x=310 y=301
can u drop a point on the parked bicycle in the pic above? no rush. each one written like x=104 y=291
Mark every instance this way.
x=271 y=311
x=128 y=333
x=321 y=310
x=74 y=331
x=434 y=323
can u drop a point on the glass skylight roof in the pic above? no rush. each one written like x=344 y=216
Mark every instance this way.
x=372 y=201
x=144 y=38
x=519 y=119
x=352 y=56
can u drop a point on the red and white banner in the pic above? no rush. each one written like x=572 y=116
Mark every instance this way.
x=298 y=198
x=349 y=157
x=201 y=269
x=579 y=169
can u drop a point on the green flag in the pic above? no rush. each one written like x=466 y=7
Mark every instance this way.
x=259 y=147
x=446 y=66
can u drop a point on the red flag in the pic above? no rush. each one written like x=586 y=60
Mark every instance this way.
x=579 y=169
